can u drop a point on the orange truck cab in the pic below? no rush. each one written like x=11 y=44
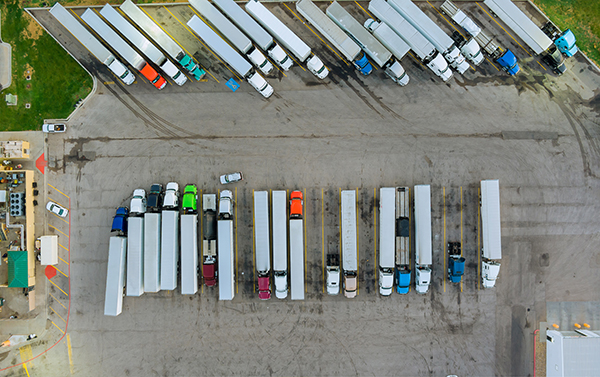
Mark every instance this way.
x=150 y=73
x=296 y=203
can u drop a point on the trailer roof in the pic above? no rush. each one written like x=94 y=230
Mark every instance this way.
x=115 y=276
x=189 y=254
x=261 y=231
x=387 y=226
x=349 y=247
x=296 y=260
x=169 y=250
x=243 y=20
x=135 y=256
x=280 y=241
x=225 y=259
x=423 y=224
x=490 y=219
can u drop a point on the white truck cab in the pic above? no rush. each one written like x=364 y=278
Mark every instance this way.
x=259 y=60
x=174 y=73
x=225 y=204
x=138 y=202
x=121 y=71
x=458 y=60
x=281 y=285
x=423 y=280
x=472 y=51
x=333 y=280
x=261 y=85
x=281 y=58
x=316 y=66
x=171 y=198
x=440 y=67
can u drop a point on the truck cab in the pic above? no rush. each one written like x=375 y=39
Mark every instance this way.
x=402 y=280
x=440 y=67
x=119 y=223
x=150 y=73
x=171 y=197
x=350 y=284
x=261 y=85
x=296 y=203
x=281 y=284
x=155 y=196
x=209 y=272
x=226 y=204
x=264 y=287
x=333 y=274
x=316 y=66
x=554 y=59
x=190 y=197
x=508 y=61
x=489 y=273
x=138 y=202
x=423 y=279
x=281 y=58
x=363 y=65
x=386 y=281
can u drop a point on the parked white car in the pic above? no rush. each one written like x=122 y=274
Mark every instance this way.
x=138 y=202
x=231 y=177
x=52 y=128
x=171 y=198
x=57 y=209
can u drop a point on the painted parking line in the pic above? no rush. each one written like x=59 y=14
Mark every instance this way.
x=61 y=272
x=201 y=250
x=462 y=245
x=444 y=246
x=26 y=355
x=59 y=288
x=194 y=34
x=59 y=329
x=59 y=316
x=57 y=300
x=253 y=249
x=186 y=51
x=479 y=240
x=59 y=191
x=305 y=237
x=357 y=244
x=70 y=352
x=318 y=36
x=493 y=65
x=375 y=234
x=410 y=230
x=323 y=240
x=55 y=215
x=60 y=231
x=67 y=263
x=364 y=10
x=236 y=243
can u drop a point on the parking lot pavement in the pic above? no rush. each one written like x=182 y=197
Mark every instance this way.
x=535 y=132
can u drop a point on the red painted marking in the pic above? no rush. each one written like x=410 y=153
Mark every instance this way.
x=41 y=163
x=50 y=272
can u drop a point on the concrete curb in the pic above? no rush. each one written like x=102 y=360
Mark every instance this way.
x=94 y=79
x=8 y=48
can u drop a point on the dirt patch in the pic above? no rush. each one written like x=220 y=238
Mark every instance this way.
x=33 y=31
x=28 y=71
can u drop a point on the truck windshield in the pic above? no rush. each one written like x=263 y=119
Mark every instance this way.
x=125 y=74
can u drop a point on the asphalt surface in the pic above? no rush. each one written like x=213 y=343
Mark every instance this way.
x=535 y=132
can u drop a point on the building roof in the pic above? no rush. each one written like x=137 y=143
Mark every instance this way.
x=17 y=269
x=572 y=354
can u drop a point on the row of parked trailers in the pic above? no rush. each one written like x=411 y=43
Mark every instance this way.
x=147 y=259
x=238 y=37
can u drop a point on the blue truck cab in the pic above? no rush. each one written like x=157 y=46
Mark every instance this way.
x=508 y=62
x=456 y=269
x=402 y=280
x=566 y=43
x=119 y=223
x=363 y=65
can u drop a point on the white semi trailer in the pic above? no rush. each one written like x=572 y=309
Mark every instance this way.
x=232 y=34
x=280 y=243
x=229 y=55
x=423 y=252
x=225 y=246
x=256 y=32
x=169 y=250
x=115 y=276
x=387 y=239
x=349 y=243
x=152 y=244
x=189 y=254
x=142 y=43
x=91 y=43
x=135 y=256
x=394 y=25
x=159 y=36
x=442 y=42
x=287 y=38
x=336 y=36
x=491 y=232
x=376 y=51
x=262 y=242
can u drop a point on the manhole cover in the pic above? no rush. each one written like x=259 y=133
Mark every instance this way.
x=27 y=105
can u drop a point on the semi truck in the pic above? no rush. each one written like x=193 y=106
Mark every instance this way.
x=189 y=254
x=296 y=246
x=287 y=38
x=232 y=34
x=122 y=48
x=423 y=252
x=209 y=239
x=280 y=243
x=537 y=40
x=376 y=51
x=491 y=250
x=505 y=58
x=230 y=56
x=142 y=43
x=91 y=43
x=159 y=36
x=169 y=250
x=152 y=242
x=336 y=36
x=387 y=239
x=403 y=272
x=135 y=256
x=349 y=247
x=261 y=242
x=115 y=276
x=256 y=32
x=393 y=24
x=225 y=246
x=425 y=25
x=456 y=262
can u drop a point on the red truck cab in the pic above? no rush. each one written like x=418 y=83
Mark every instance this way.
x=208 y=272
x=150 y=73
x=296 y=203
x=264 y=288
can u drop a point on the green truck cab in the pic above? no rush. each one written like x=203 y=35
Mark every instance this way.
x=190 y=198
